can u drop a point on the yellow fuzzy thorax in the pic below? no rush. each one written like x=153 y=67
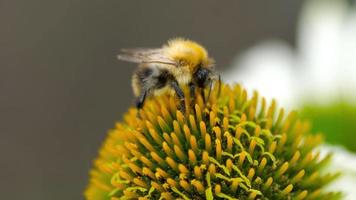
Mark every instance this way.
x=232 y=147
x=187 y=52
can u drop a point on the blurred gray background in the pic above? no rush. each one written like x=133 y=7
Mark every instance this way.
x=61 y=87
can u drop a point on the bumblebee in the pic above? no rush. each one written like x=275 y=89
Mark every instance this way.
x=177 y=63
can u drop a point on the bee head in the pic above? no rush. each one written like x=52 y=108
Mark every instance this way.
x=202 y=77
x=188 y=53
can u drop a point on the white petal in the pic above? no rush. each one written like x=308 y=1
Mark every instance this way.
x=345 y=162
x=266 y=68
x=320 y=36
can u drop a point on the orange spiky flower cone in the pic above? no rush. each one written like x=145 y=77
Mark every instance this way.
x=232 y=147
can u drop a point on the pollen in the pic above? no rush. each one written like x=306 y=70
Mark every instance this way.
x=233 y=146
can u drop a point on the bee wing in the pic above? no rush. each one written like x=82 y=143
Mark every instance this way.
x=145 y=55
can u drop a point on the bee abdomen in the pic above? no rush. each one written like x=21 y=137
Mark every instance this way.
x=143 y=73
x=150 y=78
x=136 y=85
x=140 y=78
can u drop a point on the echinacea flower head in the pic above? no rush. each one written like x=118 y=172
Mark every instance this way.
x=230 y=147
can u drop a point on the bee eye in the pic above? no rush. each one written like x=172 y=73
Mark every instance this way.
x=202 y=77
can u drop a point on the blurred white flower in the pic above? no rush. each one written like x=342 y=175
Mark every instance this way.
x=327 y=50
x=268 y=69
x=345 y=162
x=321 y=69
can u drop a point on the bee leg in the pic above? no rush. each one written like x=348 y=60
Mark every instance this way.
x=180 y=93
x=210 y=88
x=192 y=94
x=140 y=101
x=202 y=93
